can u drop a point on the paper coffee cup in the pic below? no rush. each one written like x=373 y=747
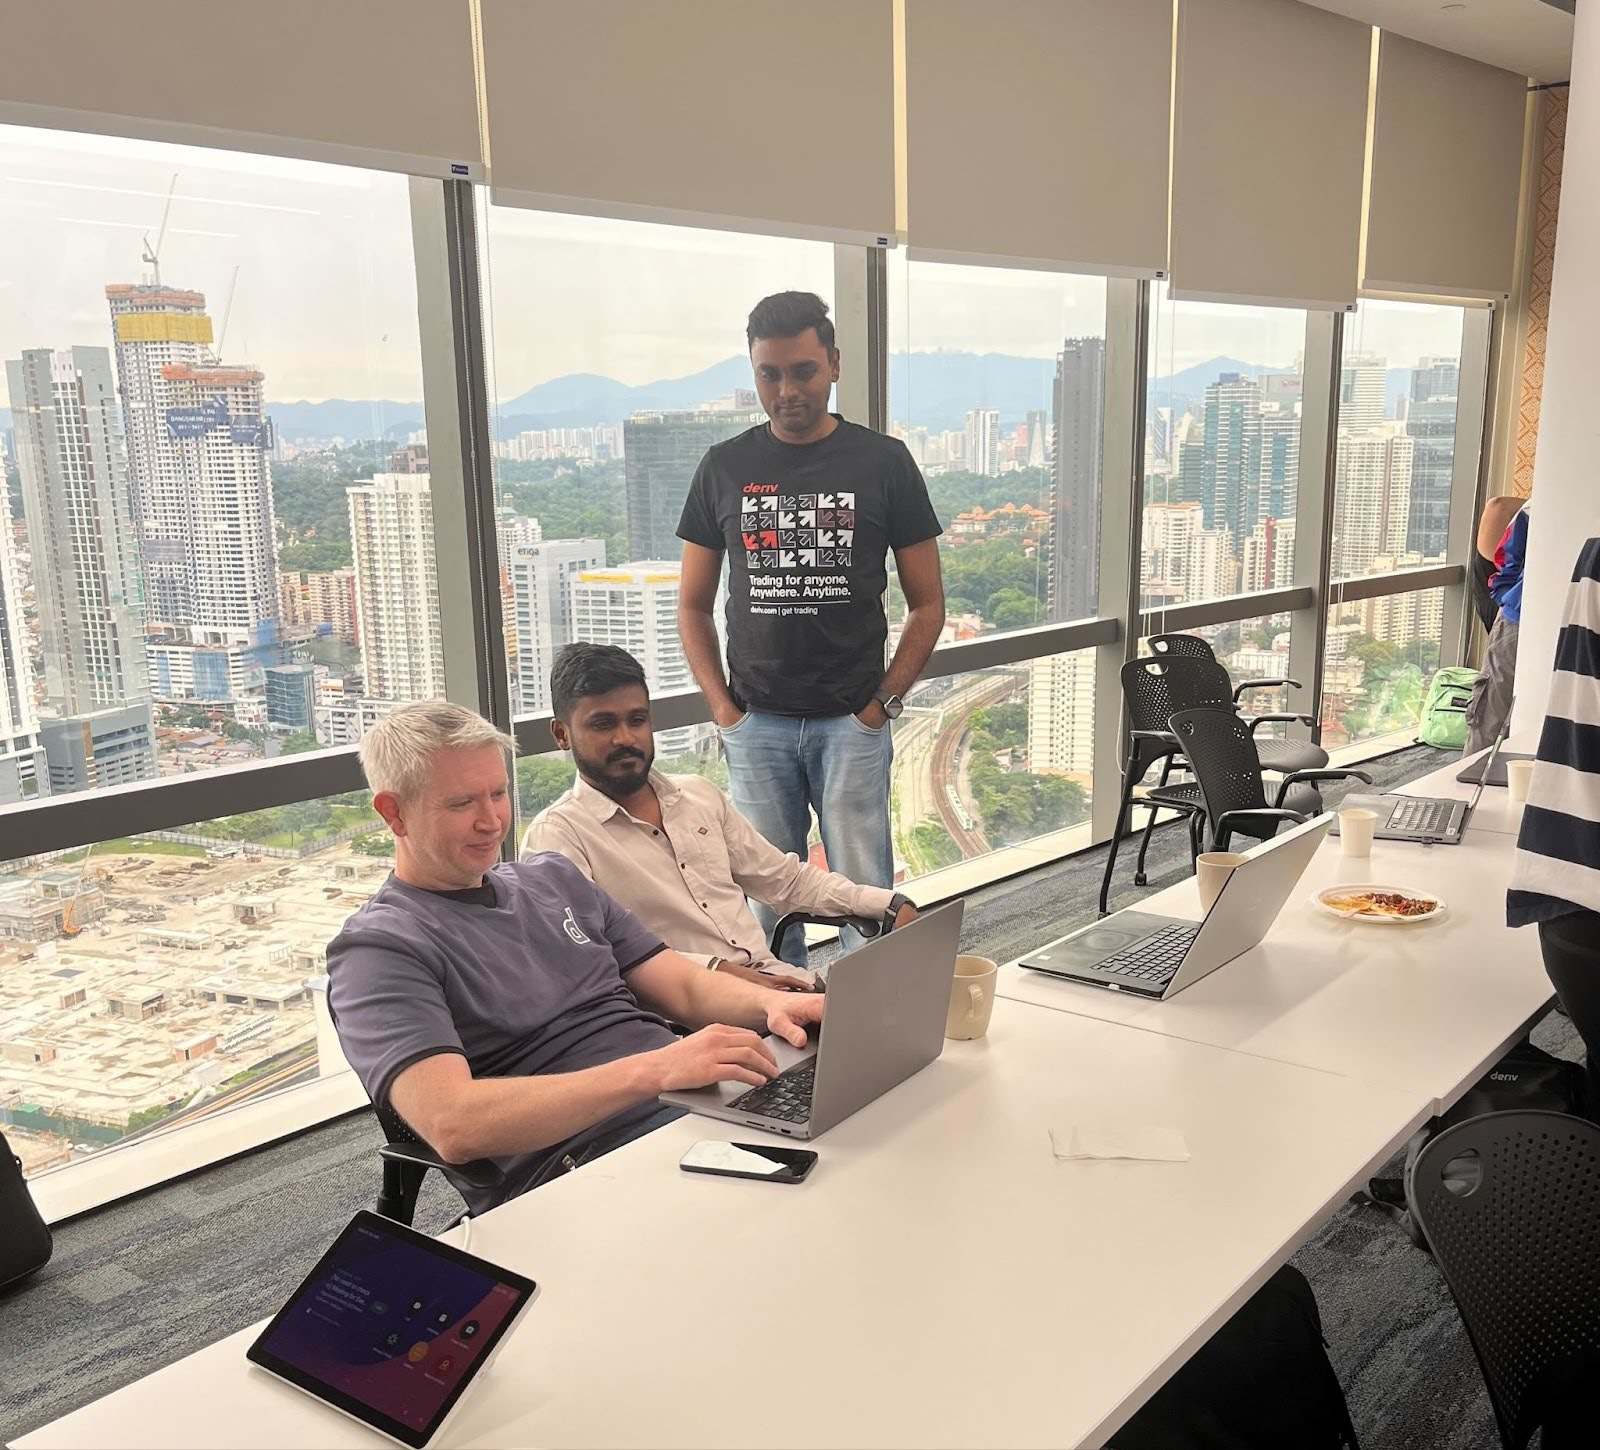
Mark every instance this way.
x=1356 y=826
x=1519 y=775
x=971 y=998
x=1210 y=872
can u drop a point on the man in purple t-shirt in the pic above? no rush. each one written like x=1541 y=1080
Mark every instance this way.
x=514 y=1011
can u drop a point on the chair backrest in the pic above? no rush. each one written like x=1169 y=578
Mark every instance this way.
x=1223 y=756
x=1180 y=646
x=1147 y=692
x=1510 y=1204
x=1198 y=684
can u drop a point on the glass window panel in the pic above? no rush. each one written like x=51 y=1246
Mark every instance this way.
x=993 y=758
x=996 y=384
x=618 y=356
x=219 y=539
x=1381 y=653
x=1395 y=458
x=1221 y=450
x=153 y=981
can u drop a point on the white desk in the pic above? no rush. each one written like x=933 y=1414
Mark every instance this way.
x=1494 y=812
x=1428 y=1007
x=939 y=1280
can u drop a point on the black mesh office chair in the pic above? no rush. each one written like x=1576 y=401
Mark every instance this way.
x=1222 y=753
x=1148 y=700
x=1277 y=754
x=1510 y=1204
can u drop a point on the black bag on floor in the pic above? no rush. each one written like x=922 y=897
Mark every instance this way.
x=1261 y=1382
x=1526 y=1078
x=24 y=1236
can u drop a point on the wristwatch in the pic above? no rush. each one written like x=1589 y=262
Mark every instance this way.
x=896 y=901
x=892 y=704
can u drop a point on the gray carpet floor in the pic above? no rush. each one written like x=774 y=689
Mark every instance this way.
x=144 y=1282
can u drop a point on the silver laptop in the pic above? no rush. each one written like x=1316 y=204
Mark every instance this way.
x=887 y=1004
x=1158 y=956
x=1430 y=820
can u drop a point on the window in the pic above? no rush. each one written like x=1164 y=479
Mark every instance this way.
x=204 y=564
x=618 y=357
x=996 y=385
x=150 y=982
x=991 y=759
x=1381 y=653
x=1394 y=463
x=1221 y=450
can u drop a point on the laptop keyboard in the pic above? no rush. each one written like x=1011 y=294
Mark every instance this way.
x=1156 y=958
x=787 y=1097
x=1418 y=813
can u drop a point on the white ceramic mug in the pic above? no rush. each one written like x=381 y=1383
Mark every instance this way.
x=1211 y=870
x=1356 y=825
x=1519 y=775
x=971 y=998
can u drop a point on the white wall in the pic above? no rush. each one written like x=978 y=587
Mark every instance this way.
x=1566 y=481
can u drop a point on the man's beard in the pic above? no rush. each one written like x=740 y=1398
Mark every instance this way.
x=619 y=773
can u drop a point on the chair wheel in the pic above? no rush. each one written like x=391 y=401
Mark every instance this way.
x=1139 y=879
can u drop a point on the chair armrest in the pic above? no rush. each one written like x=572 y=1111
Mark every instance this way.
x=1165 y=737
x=1232 y=820
x=1291 y=719
x=1244 y=685
x=480 y=1173
x=866 y=927
x=1312 y=777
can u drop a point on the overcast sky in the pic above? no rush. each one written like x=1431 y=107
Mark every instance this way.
x=325 y=298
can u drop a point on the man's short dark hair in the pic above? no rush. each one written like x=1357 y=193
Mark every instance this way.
x=788 y=314
x=590 y=669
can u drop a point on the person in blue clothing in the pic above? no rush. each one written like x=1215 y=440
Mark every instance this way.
x=1490 y=706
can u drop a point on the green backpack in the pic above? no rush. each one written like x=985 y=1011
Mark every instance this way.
x=1444 y=711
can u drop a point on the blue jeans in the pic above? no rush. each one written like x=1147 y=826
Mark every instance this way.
x=783 y=767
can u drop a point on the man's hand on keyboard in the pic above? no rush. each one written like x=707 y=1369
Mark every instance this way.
x=716 y=1054
x=790 y=1012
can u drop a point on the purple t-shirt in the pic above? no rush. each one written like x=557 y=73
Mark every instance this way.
x=533 y=984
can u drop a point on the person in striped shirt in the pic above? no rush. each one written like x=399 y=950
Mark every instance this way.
x=1555 y=881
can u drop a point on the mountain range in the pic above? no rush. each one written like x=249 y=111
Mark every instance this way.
x=933 y=389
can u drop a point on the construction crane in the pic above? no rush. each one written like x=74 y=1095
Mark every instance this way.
x=152 y=254
x=69 y=927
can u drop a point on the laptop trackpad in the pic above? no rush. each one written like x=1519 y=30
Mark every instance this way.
x=1087 y=948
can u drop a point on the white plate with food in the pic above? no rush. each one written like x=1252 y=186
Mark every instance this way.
x=1380 y=905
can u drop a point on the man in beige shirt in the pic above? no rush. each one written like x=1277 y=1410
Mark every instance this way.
x=672 y=849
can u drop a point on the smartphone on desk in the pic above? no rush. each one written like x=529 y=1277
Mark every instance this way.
x=748 y=1160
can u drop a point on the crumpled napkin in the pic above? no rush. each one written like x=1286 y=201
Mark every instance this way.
x=1148 y=1144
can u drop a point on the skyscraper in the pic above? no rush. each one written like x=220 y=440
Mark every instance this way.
x=1362 y=390
x=1373 y=491
x=983 y=441
x=86 y=568
x=660 y=454
x=397 y=608
x=1038 y=438
x=1075 y=461
x=1061 y=714
x=1230 y=477
x=22 y=763
x=1431 y=421
x=541 y=584
x=1280 y=462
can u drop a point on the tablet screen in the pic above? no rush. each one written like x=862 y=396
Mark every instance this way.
x=391 y=1326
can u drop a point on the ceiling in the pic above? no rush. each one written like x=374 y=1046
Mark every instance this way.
x=1531 y=37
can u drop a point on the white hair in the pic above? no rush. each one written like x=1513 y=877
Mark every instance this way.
x=397 y=753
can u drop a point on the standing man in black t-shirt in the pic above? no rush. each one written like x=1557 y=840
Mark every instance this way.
x=806 y=509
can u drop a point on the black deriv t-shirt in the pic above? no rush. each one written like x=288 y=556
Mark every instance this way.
x=807 y=528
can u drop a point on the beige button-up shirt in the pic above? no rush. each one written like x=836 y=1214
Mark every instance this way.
x=688 y=884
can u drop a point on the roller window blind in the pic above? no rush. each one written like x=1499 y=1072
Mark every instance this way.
x=746 y=114
x=1269 y=142
x=1037 y=134
x=388 y=84
x=1446 y=173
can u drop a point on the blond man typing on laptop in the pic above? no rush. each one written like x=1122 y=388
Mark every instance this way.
x=672 y=848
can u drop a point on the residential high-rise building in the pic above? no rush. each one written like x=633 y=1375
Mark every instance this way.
x=635 y=605
x=1076 y=451
x=397 y=594
x=1267 y=559
x=1431 y=421
x=318 y=599
x=1182 y=560
x=983 y=441
x=1231 y=463
x=22 y=762
x=1061 y=714
x=1363 y=385
x=86 y=568
x=660 y=454
x=1280 y=461
x=541 y=584
x=1373 y=490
